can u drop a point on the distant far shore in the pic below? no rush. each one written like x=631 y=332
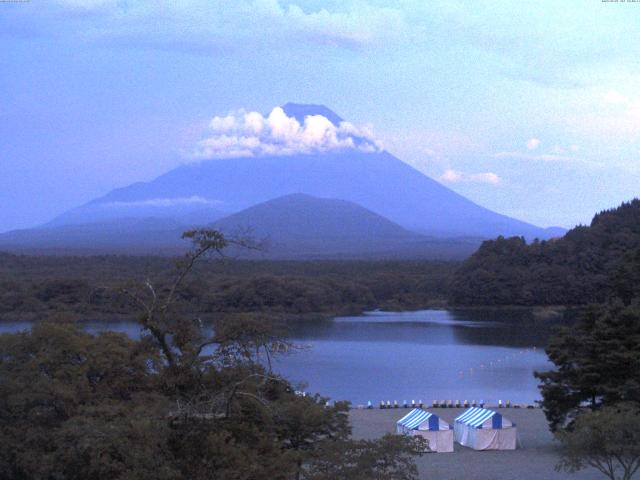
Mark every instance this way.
x=539 y=313
x=542 y=313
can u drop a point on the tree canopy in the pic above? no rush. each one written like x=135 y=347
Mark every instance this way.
x=597 y=362
x=180 y=403
x=607 y=440
x=577 y=269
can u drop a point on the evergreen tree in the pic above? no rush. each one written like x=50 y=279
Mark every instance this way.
x=587 y=265
x=597 y=362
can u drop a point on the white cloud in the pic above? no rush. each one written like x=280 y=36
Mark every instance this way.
x=616 y=98
x=243 y=134
x=451 y=176
x=488 y=177
x=162 y=202
x=569 y=156
x=614 y=119
x=206 y=24
x=522 y=38
x=533 y=144
x=542 y=157
x=456 y=176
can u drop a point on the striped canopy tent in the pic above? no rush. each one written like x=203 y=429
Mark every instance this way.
x=484 y=429
x=420 y=422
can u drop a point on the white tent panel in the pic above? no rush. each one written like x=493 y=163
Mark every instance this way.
x=483 y=429
x=429 y=426
x=440 y=441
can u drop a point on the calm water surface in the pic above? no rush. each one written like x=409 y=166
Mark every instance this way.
x=424 y=355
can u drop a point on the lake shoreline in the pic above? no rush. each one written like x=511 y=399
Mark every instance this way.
x=373 y=357
x=539 y=312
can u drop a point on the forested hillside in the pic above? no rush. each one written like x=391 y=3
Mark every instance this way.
x=577 y=269
x=33 y=286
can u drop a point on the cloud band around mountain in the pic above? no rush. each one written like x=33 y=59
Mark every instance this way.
x=456 y=176
x=161 y=202
x=250 y=134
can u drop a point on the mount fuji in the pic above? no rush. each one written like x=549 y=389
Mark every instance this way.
x=204 y=192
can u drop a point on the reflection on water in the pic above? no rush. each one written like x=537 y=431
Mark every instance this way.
x=12 y=327
x=426 y=355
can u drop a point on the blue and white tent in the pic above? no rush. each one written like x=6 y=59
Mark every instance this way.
x=484 y=429
x=420 y=422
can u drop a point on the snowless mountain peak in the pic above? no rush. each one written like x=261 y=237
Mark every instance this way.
x=300 y=110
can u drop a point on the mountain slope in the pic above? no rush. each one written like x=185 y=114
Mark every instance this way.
x=299 y=111
x=299 y=224
x=121 y=236
x=581 y=267
x=377 y=181
x=295 y=226
x=199 y=193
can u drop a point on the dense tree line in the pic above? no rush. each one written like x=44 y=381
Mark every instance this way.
x=77 y=406
x=597 y=362
x=591 y=397
x=89 y=286
x=577 y=269
x=177 y=404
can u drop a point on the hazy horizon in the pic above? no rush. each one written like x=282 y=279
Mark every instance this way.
x=528 y=109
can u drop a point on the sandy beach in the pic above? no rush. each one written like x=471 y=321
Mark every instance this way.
x=535 y=460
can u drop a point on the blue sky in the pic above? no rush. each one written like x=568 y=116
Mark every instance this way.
x=529 y=108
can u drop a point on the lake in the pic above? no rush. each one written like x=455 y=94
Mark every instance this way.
x=423 y=355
